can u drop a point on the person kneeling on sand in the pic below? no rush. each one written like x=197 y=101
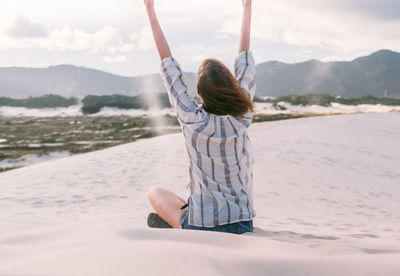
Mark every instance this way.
x=215 y=131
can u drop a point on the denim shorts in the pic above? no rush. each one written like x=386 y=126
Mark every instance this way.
x=234 y=228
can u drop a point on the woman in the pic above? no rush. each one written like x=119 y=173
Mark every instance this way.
x=216 y=138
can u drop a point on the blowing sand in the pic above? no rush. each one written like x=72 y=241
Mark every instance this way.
x=326 y=192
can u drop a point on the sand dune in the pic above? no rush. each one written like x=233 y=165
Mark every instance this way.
x=326 y=192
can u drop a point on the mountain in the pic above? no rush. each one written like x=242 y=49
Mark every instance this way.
x=73 y=81
x=377 y=75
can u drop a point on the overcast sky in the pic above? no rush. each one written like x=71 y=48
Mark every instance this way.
x=113 y=35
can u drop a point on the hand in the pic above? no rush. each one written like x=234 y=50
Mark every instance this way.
x=246 y=3
x=149 y=3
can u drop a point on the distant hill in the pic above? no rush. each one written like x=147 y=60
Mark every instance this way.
x=376 y=75
x=73 y=81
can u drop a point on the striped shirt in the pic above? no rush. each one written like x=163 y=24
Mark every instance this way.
x=218 y=147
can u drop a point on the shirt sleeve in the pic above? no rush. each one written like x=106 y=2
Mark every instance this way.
x=245 y=72
x=187 y=111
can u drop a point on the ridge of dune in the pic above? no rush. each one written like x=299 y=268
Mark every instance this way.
x=326 y=193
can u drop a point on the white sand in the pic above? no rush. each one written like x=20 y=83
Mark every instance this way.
x=327 y=196
x=334 y=108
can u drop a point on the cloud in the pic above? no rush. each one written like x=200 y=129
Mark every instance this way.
x=377 y=9
x=68 y=38
x=143 y=38
x=329 y=26
x=23 y=27
x=25 y=34
x=110 y=59
x=286 y=30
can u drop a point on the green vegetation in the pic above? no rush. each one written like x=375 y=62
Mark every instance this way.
x=93 y=104
x=4 y=170
x=306 y=99
x=368 y=100
x=326 y=100
x=26 y=136
x=279 y=117
x=259 y=100
x=45 y=101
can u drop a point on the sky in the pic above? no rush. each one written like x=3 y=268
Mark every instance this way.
x=114 y=35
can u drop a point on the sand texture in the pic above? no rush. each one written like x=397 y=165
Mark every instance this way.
x=326 y=193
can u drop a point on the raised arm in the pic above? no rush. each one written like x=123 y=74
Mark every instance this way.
x=161 y=42
x=245 y=67
x=244 y=44
x=172 y=75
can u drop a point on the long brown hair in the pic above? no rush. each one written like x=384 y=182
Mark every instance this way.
x=220 y=91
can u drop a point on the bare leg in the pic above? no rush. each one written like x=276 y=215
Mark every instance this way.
x=167 y=205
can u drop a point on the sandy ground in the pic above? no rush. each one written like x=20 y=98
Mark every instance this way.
x=326 y=190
